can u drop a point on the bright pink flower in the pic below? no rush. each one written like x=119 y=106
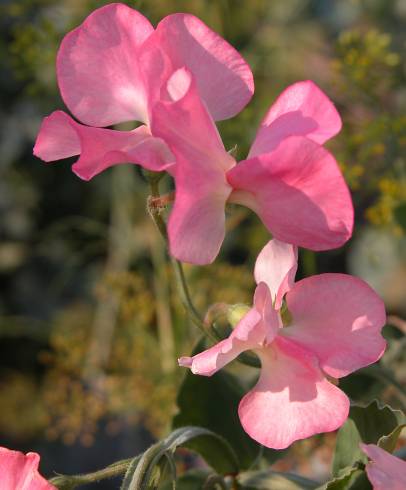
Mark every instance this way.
x=335 y=330
x=292 y=183
x=385 y=472
x=19 y=471
x=114 y=67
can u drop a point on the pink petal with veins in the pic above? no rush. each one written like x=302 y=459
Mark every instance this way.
x=61 y=137
x=292 y=399
x=299 y=193
x=301 y=110
x=339 y=319
x=224 y=79
x=276 y=265
x=260 y=324
x=244 y=336
x=197 y=222
x=98 y=67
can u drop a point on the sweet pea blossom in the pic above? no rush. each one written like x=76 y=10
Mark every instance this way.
x=289 y=180
x=19 y=471
x=113 y=68
x=385 y=471
x=334 y=330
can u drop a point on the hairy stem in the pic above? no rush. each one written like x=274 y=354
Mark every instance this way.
x=69 y=482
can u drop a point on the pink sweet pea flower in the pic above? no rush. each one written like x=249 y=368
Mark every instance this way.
x=112 y=68
x=385 y=471
x=292 y=182
x=19 y=471
x=335 y=330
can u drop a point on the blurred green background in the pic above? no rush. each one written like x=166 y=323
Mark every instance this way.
x=90 y=323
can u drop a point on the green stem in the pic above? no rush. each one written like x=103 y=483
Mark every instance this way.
x=187 y=300
x=69 y=482
x=183 y=289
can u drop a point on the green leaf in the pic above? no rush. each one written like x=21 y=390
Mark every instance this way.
x=213 y=403
x=272 y=480
x=365 y=424
x=377 y=371
x=389 y=442
x=192 y=480
x=400 y=214
x=353 y=479
x=149 y=470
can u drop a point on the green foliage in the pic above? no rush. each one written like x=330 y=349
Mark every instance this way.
x=192 y=480
x=148 y=470
x=352 y=479
x=213 y=403
x=400 y=215
x=266 y=479
x=368 y=425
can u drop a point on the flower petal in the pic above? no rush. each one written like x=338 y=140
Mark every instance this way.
x=385 y=471
x=338 y=318
x=57 y=138
x=224 y=79
x=276 y=265
x=61 y=137
x=299 y=193
x=197 y=222
x=292 y=399
x=301 y=110
x=246 y=335
x=98 y=70
x=20 y=471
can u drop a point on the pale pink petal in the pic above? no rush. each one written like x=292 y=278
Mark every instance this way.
x=299 y=193
x=385 y=471
x=271 y=319
x=276 y=265
x=224 y=79
x=60 y=137
x=98 y=67
x=292 y=399
x=339 y=319
x=301 y=110
x=197 y=222
x=19 y=471
x=247 y=334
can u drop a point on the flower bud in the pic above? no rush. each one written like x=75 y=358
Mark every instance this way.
x=236 y=312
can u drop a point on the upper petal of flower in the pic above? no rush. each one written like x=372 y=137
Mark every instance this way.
x=338 y=318
x=223 y=77
x=385 y=471
x=98 y=67
x=61 y=137
x=292 y=399
x=197 y=221
x=20 y=471
x=301 y=110
x=299 y=193
x=276 y=265
x=246 y=335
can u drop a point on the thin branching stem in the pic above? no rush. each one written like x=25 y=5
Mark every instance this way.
x=156 y=214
